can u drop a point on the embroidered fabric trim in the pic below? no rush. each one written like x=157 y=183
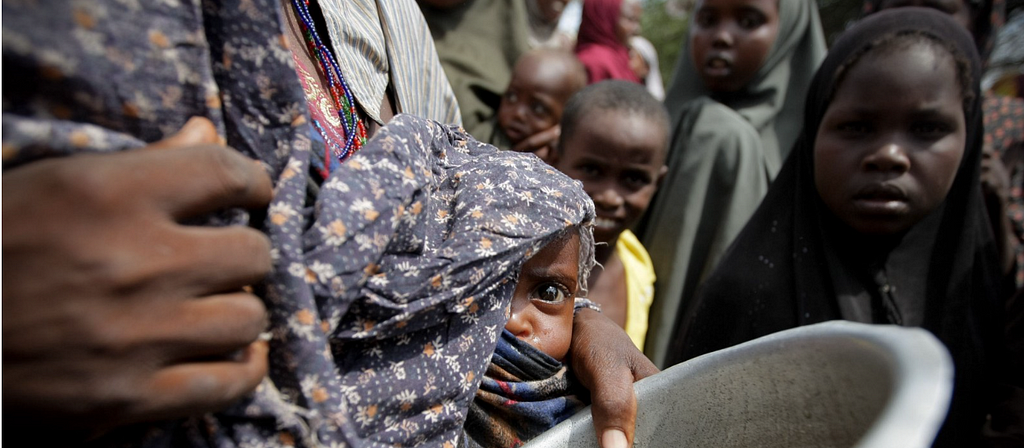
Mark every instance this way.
x=355 y=129
x=583 y=302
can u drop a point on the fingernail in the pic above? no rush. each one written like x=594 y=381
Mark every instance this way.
x=613 y=438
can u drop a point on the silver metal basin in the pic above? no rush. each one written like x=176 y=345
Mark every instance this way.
x=835 y=384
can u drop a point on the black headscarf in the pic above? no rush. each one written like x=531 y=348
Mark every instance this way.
x=782 y=270
x=987 y=16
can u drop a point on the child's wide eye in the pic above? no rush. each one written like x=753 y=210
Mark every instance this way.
x=551 y=292
x=636 y=180
x=589 y=170
x=705 y=19
x=539 y=109
x=751 y=20
x=853 y=128
x=931 y=130
x=511 y=96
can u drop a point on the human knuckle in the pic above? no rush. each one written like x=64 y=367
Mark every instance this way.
x=101 y=389
x=252 y=315
x=211 y=391
x=230 y=172
x=614 y=405
x=231 y=391
x=259 y=367
x=124 y=274
x=258 y=246
x=251 y=250
x=240 y=318
x=110 y=336
x=249 y=376
x=117 y=391
x=91 y=188
x=204 y=383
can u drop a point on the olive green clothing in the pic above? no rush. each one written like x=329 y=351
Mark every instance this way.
x=478 y=43
x=725 y=150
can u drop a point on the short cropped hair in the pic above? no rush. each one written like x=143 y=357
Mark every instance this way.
x=611 y=95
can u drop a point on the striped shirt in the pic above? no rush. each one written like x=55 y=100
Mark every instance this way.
x=378 y=39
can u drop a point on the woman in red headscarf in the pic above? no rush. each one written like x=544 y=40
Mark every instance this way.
x=603 y=41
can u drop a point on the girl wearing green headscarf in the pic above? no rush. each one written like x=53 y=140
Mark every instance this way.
x=736 y=107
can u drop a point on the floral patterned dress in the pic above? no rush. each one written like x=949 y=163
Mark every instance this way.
x=389 y=285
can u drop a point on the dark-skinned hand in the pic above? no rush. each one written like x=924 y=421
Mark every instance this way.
x=544 y=144
x=607 y=363
x=114 y=312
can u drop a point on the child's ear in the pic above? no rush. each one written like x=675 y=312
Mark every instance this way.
x=661 y=175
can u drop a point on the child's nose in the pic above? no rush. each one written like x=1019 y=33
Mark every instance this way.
x=889 y=157
x=521 y=111
x=608 y=198
x=519 y=324
x=722 y=37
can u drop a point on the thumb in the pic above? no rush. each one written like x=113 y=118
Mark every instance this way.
x=614 y=411
x=196 y=131
x=607 y=363
x=614 y=405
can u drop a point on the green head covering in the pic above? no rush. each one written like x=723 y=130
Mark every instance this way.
x=773 y=101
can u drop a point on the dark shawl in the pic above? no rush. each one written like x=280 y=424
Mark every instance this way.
x=782 y=269
x=1004 y=116
x=524 y=393
x=988 y=17
x=597 y=46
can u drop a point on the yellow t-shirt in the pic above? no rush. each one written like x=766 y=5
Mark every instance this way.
x=639 y=285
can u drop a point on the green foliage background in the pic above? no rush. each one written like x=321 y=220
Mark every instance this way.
x=665 y=22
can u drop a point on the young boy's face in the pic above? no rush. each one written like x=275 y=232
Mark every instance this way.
x=542 y=303
x=890 y=143
x=730 y=39
x=620 y=158
x=535 y=97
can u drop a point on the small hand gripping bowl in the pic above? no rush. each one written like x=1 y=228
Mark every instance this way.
x=834 y=384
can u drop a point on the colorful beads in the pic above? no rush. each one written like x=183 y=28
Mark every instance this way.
x=355 y=129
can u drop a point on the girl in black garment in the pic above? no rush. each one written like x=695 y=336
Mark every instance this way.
x=877 y=215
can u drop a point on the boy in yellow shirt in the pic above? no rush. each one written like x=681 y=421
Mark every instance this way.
x=614 y=140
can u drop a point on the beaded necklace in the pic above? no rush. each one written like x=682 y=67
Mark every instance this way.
x=355 y=130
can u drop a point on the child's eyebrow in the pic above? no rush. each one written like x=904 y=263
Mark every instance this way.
x=931 y=112
x=751 y=8
x=546 y=273
x=926 y=111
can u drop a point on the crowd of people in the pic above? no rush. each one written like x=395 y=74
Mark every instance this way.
x=442 y=223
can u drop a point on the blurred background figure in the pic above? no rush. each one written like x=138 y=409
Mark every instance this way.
x=1005 y=74
x=644 y=60
x=544 y=17
x=478 y=43
x=603 y=40
x=529 y=114
x=736 y=107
